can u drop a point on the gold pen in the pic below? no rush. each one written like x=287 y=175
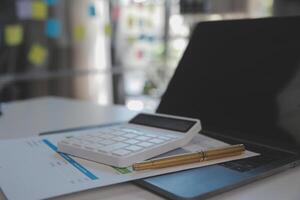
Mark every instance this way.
x=188 y=158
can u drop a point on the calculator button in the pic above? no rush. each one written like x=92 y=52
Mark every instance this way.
x=94 y=138
x=88 y=135
x=126 y=129
x=106 y=142
x=102 y=151
x=164 y=138
x=130 y=130
x=121 y=152
x=150 y=135
x=130 y=135
x=66 y=142
x=156 y=141
x=131 y=141
x=113 y=147
x=89 y=147
x=90 y=141
x=145 y=144
x=142 y=138
x=136 y=132
x=97 y=135
x=97 y=145
x=134 y=148
x=119 y=138
x=74 y=140
x=106 y=136
x=76 y=144
x=117 y=133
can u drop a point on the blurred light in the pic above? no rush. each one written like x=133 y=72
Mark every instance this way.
x=135 y=105
x=215 y=17
x=103 y=99
x=176 y=20
x=134 y=83
x=179 y=44
x=100 y=84
x=139 y=1
x=177 y=25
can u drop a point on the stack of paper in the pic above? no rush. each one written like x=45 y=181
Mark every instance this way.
x=34 y=163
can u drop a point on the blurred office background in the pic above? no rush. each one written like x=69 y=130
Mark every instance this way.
x=106 y=51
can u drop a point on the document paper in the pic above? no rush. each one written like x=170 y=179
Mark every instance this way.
x=31 y=168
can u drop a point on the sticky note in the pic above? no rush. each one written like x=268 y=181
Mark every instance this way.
x=131 y=39
x=39 y=10
x=13 y=34
x=24 y=9
x=150 y=38
x=151 y=8
x=116 y=11
x=139 y=54
x=78 y=33
x=92 y=10
x=142 y=37
x=107 y=30
x=130 y=21
x=50 y=2
x=52 y=28
x=37 y=54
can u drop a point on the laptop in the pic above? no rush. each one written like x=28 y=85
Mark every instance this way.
x=242 y=79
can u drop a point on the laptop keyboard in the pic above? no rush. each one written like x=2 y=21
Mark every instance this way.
x=249 y=163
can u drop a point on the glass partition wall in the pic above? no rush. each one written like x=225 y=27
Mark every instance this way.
x=151 y=36
x=55 y=47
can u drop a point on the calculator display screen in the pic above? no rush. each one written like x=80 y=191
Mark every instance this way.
x=173 y=124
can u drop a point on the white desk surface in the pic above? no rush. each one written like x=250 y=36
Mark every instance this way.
x=30 y=117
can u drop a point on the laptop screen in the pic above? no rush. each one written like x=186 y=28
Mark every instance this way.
x=241 y=78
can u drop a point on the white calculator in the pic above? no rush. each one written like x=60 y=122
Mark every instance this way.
x=143 y=137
